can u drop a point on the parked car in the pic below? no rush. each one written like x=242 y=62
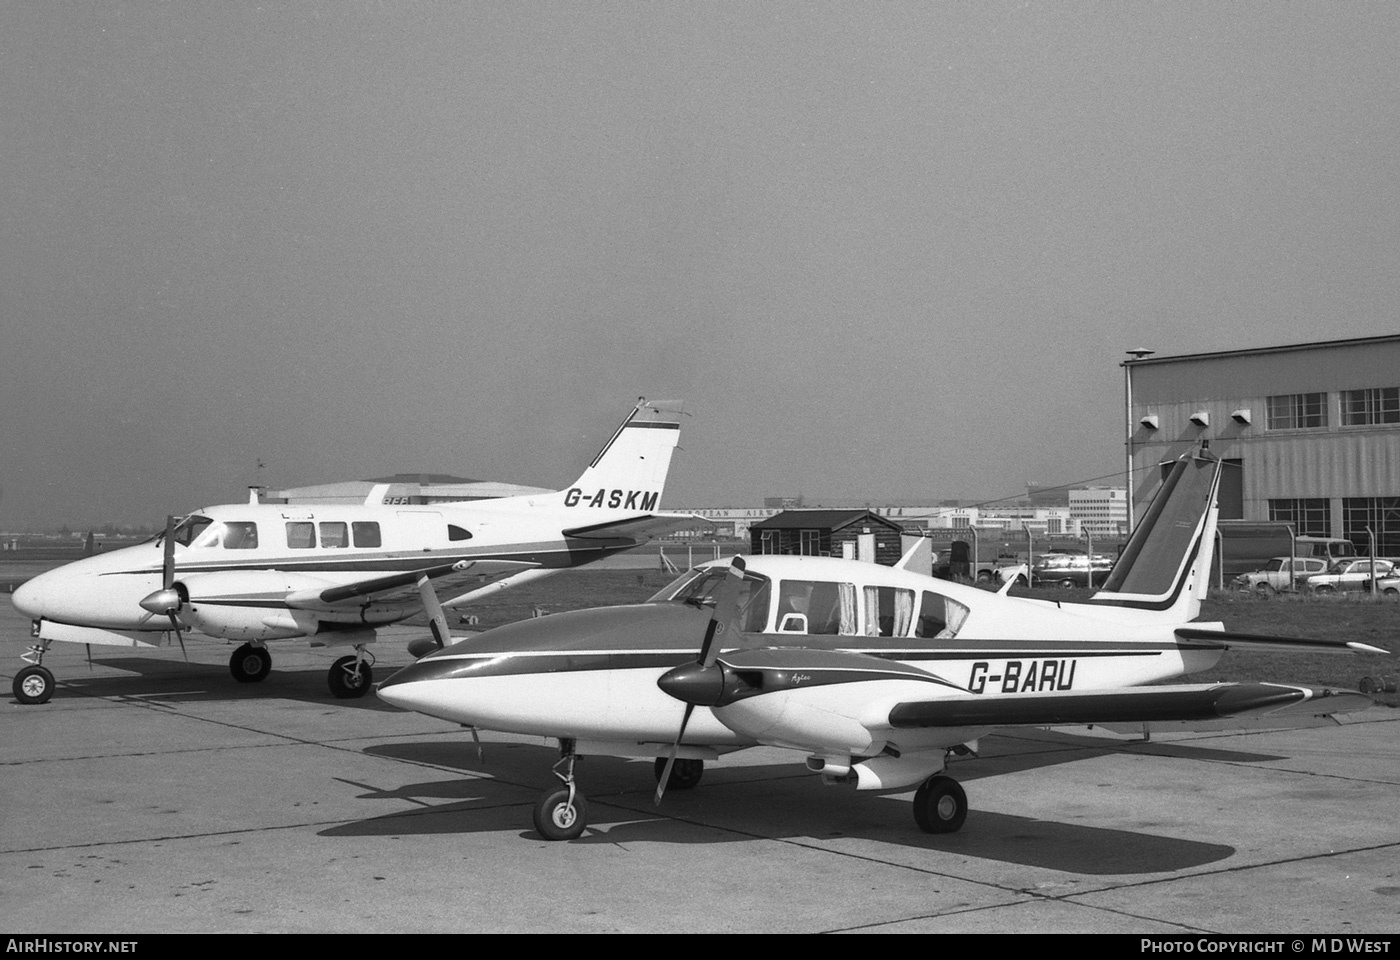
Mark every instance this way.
x=1347 y=575
x=1389 y=586
x=1071 y=570
x=1280 y=573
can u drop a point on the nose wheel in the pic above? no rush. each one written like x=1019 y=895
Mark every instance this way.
x=562 y=812
x=33 y=684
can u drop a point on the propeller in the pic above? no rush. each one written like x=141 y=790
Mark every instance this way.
x=701 y=683
x=166 y=601
x=437 y=621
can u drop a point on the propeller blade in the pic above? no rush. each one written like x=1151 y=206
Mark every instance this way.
x=437 y=620
x=671 y=760
x=725 y=618
x=175 y=625
x=168 y=567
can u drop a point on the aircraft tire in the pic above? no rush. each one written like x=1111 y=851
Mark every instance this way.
x=940 y=805
x=556 y=819
x=685 y=774
x=33 y=685
x=250 y=664
x=1067 y=584
x=343 y=681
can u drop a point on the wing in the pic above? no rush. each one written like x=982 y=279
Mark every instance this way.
x=1180 y=702
x=641 y=529
x=451 y=576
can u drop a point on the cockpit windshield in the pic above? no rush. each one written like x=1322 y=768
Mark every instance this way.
x=188 y=530
x=698 y=587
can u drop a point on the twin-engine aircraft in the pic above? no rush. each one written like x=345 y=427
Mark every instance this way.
x=875 y=673
x=333 y=573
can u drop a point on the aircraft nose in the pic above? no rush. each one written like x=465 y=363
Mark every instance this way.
x=31 y=597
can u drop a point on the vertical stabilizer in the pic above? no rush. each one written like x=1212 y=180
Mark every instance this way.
x=629 y=473
x=1166 y=563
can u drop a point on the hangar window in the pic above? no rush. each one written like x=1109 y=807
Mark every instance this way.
x=1297 y=411
x=335 y=534
x=1310 y=516
x=1362 y=408
x=768 y=542
x=301 y=535
x=810 y=543
x=1363 y=517
x=366 y=533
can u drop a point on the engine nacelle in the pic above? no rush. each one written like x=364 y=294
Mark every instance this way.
x=249 y=605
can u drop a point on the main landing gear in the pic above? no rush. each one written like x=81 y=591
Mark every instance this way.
x=34 y=683
x=351 y=677
x=250 y=664
x=940 y=805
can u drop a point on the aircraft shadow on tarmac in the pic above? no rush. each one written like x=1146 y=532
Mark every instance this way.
x=154 y=679
x=752 y=802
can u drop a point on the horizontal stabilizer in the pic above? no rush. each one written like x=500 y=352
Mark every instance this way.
x=365 y=588
x=1129 y=705
x=1224 y=639
x=640 y=529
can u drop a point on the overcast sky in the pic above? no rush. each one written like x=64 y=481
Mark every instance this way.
x=885 y=250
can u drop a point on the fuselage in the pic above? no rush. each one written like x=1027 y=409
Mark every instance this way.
x=593 y=674
x=251 y=557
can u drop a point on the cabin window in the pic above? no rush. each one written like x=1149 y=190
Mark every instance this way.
x=366 y=533
x=334 y=534
x=240 y=535
x=889 y=611
x=301 y=535
x=830 y=608
x=939 y=617
x=457 y=533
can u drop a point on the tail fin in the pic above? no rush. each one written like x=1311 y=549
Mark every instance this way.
x=629 y=473
x=1166 y=564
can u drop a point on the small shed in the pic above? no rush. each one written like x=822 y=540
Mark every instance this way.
x=824 y=533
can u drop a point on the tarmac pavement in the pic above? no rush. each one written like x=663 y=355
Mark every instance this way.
x=154 y=796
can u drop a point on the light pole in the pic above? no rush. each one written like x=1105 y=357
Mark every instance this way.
x=1136 y=354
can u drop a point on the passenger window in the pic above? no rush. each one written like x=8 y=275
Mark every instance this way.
x=457 y=533
x=366 y=533
x=301 y=535
x=830 y=608
x=334 y=535
x=939 y=617
x=240 y=535
x=889 y=611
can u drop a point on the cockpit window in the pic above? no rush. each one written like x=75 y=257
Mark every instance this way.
x=189 y=529
x=697 y=587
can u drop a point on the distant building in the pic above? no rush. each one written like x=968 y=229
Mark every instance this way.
x=861 y=534
x=1310 y=433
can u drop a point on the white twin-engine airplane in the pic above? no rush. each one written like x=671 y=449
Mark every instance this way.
x=258 y=572
x=875 y=673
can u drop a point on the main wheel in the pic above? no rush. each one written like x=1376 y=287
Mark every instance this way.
x=558 y=819
x=345 y=682
x=33 y=684
x=1264 y=588
x=249 y=664
x=940 y=805
x=685 y=774
x=1324 y=589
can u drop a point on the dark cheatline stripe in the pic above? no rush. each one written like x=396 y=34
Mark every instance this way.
x=1122 y=706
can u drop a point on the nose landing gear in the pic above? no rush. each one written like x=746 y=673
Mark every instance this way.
x=562 y=812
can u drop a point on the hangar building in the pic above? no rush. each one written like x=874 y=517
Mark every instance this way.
x=1310 y=432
